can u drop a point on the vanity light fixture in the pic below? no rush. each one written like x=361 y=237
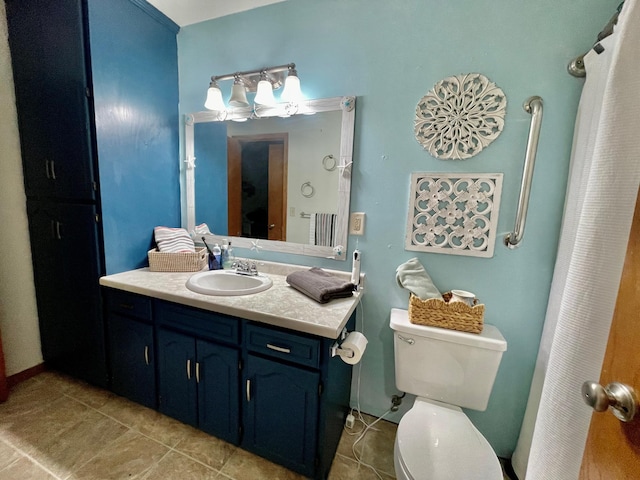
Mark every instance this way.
x=264 y=92
x=291 y=92
x=238 y=94
x=263 y=81
x=214 y=97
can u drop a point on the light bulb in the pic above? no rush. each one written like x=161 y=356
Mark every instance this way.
x=214 y=99
x=238 y=94
x=291 y=92
x=264 y=94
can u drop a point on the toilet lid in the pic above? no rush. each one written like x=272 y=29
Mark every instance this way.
x=436 y=441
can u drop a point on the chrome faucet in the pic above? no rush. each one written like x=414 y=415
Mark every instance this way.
x=245 y=268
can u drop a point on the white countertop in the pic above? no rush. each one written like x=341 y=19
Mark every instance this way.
x=280 y=305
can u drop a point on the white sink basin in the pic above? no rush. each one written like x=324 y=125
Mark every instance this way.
x=227 y=282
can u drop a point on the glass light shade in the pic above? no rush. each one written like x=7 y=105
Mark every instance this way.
x=238 y=95
x=291 y=92
x=264 y=94
x=214 y=100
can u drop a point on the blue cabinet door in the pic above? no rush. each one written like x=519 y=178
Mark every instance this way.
x=281 y=414
x=64 y=245
x=47 y=38
x=132 y=362
x=177 y=386
x=218 y=390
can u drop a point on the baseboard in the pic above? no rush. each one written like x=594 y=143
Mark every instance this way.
x=20 y=377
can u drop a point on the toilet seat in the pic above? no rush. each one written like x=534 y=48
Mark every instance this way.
x=436 y=441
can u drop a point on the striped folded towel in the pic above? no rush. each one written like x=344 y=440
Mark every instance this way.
x=173 y=240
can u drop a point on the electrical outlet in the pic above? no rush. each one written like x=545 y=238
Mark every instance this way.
x=350 y=421
x=356 y=224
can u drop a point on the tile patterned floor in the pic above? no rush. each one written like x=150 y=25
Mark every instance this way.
x=57 y=428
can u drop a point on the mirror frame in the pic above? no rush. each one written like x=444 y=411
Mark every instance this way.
x=339 y=252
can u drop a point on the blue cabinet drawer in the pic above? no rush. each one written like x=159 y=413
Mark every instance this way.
x=130 y=304
x=287 y=346
x=204 y=324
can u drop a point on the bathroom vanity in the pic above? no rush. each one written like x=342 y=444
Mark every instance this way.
x=254 y=370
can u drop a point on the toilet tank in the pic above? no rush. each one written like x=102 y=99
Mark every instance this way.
x=453 y=367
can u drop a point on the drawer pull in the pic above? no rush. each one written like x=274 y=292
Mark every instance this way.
x=126 y=306
x=248 y=390
x=146 y=354
x=197 y=372
x=189 y=369
x=278 y=349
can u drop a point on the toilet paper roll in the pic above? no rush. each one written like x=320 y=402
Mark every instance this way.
x=356 y=343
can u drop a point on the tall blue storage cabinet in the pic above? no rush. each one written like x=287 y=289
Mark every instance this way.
x=97 y=97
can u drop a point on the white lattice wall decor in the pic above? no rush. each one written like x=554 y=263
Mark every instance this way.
x=460 y=116
x=454 y=213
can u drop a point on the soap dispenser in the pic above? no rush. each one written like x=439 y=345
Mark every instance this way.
x=226 y=254
x=217 y=253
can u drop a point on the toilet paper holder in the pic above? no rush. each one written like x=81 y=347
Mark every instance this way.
x=336 y=348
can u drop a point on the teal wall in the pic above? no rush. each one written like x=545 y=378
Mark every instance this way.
x=389 y=54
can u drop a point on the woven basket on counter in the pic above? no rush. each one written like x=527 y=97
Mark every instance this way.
x=177 y=262
x=436 y=312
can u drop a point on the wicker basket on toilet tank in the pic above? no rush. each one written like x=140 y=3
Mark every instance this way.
x=436 y=312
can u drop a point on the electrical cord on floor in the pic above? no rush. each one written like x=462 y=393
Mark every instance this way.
x=359 y=416
x=361 y=435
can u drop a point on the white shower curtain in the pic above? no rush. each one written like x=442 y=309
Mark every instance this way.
x=601 y=195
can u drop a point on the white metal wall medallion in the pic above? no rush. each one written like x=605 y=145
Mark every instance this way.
x=454 y=213
x=460 y=116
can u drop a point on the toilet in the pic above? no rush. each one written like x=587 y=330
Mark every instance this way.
x=446 y=370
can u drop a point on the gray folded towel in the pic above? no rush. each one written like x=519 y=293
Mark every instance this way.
x=320 y=285
x=412 y=276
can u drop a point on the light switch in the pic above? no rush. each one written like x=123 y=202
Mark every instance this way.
x=356 y=224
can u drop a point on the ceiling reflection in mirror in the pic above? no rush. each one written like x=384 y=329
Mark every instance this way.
x=284 y=182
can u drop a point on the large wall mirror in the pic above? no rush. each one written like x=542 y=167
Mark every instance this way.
x=282 y=183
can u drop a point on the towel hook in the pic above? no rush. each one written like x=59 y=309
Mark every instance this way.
x=329 y=163
x=307 y=190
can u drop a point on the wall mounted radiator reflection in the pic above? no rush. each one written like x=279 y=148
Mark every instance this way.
x=533 y=105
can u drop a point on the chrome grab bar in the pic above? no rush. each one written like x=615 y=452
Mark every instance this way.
x=533 y=105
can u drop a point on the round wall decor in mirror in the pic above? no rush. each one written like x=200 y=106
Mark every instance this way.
x=460 y=116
